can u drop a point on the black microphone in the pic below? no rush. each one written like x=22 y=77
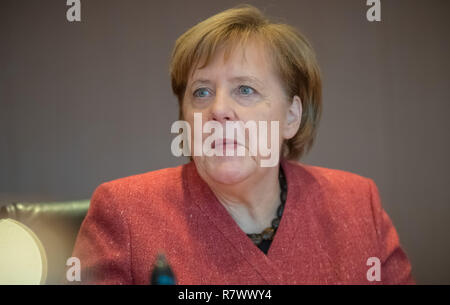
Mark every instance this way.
x=162 y=274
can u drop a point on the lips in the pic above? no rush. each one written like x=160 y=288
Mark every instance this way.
x=223 y=142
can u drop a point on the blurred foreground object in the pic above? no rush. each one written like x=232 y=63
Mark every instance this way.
x=22 y=255
x=56 y=225
x=162 y=274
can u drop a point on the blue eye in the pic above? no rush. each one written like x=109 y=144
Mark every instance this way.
x=202 y=92
x=246 y=90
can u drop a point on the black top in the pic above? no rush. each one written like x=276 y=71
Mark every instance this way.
x=265 y=245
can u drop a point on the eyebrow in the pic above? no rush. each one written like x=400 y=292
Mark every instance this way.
x=201 y=82
x=250 y=79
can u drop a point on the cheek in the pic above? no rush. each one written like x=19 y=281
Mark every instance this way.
x=277 y=114
x=184 y=110
x=269 y=115
x=188 y=114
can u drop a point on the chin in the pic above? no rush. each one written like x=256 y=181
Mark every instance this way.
x=227 y=170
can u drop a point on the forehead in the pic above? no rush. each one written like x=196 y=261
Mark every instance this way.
x=250 y=59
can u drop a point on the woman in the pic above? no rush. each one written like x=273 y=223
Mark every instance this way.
x=227 y=219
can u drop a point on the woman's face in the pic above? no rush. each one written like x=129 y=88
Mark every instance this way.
x=243 y=88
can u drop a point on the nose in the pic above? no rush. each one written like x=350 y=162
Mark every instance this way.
x=222 y=108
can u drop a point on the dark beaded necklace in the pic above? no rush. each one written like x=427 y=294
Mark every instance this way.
x=269 y=232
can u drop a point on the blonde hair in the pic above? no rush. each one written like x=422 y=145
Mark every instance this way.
x=292 y=56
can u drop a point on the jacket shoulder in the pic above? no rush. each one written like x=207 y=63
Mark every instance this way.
x=334 y=178
x=152 y=179
x=337 y=191
x=143 y=188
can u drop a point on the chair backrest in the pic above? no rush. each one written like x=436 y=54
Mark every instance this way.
x=56 y=224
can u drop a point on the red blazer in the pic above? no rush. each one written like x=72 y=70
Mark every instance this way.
x=332 y=224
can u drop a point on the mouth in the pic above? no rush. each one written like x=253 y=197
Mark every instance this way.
x=224 y=143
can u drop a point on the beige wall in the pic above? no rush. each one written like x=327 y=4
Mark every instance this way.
x=82 y=103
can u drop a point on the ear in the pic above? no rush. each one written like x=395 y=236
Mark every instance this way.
x=293 y=118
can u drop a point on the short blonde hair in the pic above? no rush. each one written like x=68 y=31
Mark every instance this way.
x=293 y=58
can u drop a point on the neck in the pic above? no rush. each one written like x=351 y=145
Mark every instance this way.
x=253 y=202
